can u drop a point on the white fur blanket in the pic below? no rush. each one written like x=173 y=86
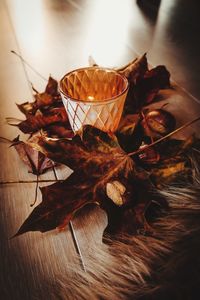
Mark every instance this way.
x=163 y=266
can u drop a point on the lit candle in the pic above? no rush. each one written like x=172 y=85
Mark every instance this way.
x=94 y=96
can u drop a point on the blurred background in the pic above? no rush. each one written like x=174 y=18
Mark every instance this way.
x=56 y=36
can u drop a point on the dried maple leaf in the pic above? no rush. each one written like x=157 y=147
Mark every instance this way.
x=135 y=69
x=27 y=108
x=171 y=171
x=59 y=130
x=96 y=149
x=52 y=87
x=175 y=164
x=50 y=97
x=36 y=161
x=144 y=84
x=39 y=121
x=148 y=86
x=130 y=132
x=59 y=202
x=97 y=160
x=172 y=148
x=46 y=111
x=43 y=99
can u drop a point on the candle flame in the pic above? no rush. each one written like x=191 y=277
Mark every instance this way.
x=90 y=98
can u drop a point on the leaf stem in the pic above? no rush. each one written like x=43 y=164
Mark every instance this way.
x=164 y=137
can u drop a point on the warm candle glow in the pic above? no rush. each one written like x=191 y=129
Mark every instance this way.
x=91 y=98
x=94 y=96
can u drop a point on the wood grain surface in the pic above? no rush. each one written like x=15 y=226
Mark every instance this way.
x=56 y=37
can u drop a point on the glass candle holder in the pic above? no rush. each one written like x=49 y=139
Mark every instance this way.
x=94 y=96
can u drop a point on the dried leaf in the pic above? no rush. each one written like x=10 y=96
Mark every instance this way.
x=50 y=96
x=173 y=148
x=59 y=203
x=59 y=131
x=97 y=160
x=145 y=88
x=47 y=98
x=103 y=172
x=171 y=171
x=128 y=124
x=43 y=99
x=97 y=152
x=40 y=121
x=52 y=87
x=135 y=69
x=47 y=109
x=27 y=108
x=130 y=132
x=148 y=86
x=36 y=161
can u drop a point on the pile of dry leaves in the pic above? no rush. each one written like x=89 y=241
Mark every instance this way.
x=121 y=171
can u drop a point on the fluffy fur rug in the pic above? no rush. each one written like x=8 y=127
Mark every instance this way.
x=163 y=266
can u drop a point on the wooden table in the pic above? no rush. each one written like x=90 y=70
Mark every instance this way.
x=56 y=37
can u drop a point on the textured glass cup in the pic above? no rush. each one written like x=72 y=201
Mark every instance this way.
x=94 y=96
